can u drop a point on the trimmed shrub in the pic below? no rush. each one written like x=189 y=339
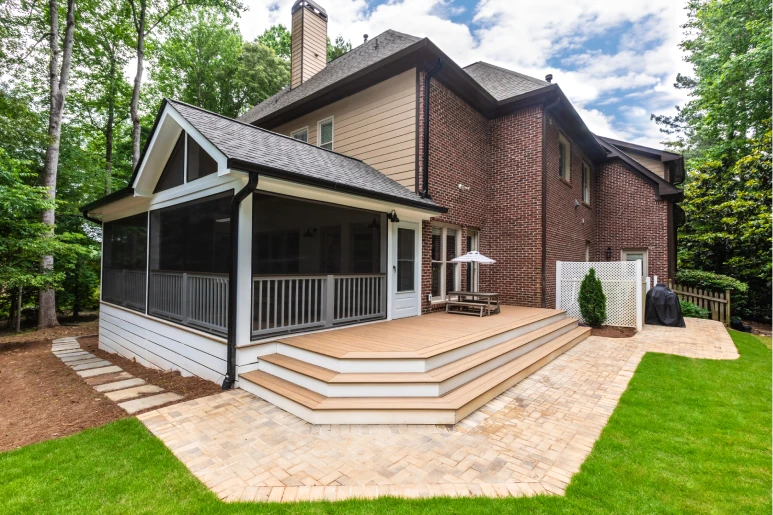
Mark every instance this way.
x=593 y=302
x=718 y=283
x=691 y=310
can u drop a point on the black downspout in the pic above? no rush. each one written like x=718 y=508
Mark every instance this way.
x=233 y=269
x=544 y=277
x=425 y=156
x=91 y=219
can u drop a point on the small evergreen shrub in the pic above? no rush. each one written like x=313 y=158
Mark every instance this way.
x=691 y=310
x=593 y=302
x=710 y=281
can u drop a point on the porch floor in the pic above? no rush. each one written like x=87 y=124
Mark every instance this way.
x=415 y=337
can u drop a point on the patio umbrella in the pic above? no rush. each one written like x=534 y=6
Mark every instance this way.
x=473 y=256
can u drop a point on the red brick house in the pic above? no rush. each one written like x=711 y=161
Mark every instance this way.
x=342 y=200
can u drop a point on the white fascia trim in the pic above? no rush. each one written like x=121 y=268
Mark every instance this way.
x=292 y=189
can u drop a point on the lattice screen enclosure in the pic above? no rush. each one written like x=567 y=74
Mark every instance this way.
x=620 y=280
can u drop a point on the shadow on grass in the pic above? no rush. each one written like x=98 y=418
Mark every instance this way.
x=689 y=436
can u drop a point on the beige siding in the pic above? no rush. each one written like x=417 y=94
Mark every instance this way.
x=653 y=165
x=309 y=46
x=377 y=125
x=297 y=43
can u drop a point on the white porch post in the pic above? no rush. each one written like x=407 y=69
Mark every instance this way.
x=244 y=274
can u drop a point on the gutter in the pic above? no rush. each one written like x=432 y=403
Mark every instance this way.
x=544 y=264
x=425 y=156
x=91 y=218
x=233 y=269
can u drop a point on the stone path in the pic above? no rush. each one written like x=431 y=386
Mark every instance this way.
x=111 y=380
x=531 y=439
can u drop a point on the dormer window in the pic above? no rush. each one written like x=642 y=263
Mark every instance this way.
x=564 y=158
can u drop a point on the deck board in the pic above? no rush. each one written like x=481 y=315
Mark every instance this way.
x=415 y=337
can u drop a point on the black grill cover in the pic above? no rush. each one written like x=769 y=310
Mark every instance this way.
x=663 y=307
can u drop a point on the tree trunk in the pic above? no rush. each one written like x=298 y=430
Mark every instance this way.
x=18 y=311
x=11 y=312
x=109 y=131
x=76 y=305
x=135 y=110
x=59 y=79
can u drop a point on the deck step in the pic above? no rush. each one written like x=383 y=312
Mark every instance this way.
x=439 y=380
x=448 y=408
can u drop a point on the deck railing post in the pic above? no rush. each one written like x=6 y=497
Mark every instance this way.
x=184 y=299
x=330 y=299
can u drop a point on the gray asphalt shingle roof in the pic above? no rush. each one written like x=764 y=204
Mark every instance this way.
x=359 y=58
x=502 y=83
x=263 y=148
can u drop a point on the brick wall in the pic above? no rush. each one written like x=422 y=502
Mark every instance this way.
x=630 y=216
x=568 y=227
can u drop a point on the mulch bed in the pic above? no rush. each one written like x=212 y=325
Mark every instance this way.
x=189 y=387
x=42 y=398
x=610 y=331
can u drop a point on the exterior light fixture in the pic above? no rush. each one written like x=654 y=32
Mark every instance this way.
x=392 y=217
x=609 y=253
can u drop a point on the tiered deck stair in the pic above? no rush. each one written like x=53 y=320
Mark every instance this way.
x=434 y=369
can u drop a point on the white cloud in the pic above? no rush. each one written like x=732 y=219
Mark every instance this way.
x=530 y=36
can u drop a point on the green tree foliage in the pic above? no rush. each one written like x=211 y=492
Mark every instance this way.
x=277 y=38
x=725 y=130
x=337 y=49
x=593 y=302
x=205 y=62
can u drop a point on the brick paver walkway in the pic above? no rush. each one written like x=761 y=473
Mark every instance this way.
x=531 y=439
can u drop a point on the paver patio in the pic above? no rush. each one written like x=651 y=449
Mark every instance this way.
x=529 y=440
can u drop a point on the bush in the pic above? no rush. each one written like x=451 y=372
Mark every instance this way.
x=691 y=310
x=718 y=283
x=593 y=302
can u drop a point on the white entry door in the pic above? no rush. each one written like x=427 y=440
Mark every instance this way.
x=406 y=283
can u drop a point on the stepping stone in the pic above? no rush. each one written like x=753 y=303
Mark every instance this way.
x=108 y=378
x=149 y=402
x=130 y=393
x=89 y=366
x=119 y=385
x=65 y=349
x=99 y=371
x=77 y=357
x=84 y=361
x=69 y=353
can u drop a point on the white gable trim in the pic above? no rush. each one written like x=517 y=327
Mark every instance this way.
x=168 y=129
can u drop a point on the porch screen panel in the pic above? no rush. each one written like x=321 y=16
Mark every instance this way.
x=124 y=260
x=189 y=255
x=315 y=264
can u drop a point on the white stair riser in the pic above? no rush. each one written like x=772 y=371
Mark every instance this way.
x=406 y=389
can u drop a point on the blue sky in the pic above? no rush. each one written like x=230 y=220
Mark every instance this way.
x=616 y=60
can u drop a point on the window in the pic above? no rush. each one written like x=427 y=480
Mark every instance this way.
x=636 y=255
x=200 y=164
x=472 y=268
x=301 y=134
x=587 y=251
x=406 y=243
x=174 y=170
x=325 y=134
x=564 y=158
x=445 y=247
x=585 y=182
x=124 y=260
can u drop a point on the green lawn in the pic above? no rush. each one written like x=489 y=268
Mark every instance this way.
x=689 y=436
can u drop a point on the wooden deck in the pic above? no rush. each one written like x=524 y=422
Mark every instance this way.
x=416 y=337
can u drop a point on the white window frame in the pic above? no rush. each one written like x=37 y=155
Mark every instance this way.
x=298 y=131
x=645 y=265
x=586 y=182
x=443 y=263
x=475 y=267
x=587 y=251
x=566 y=172
x=319 y=132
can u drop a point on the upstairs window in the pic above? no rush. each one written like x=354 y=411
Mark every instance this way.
x=564 y=158
x=585 y=182
x=301 y=134
x=325 y=134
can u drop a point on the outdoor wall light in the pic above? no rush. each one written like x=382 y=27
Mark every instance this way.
x=392 y=217
x=609 y=253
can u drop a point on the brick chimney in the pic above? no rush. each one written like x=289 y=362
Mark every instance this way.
x=309 y=41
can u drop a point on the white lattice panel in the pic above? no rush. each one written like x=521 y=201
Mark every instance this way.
x=619 y=281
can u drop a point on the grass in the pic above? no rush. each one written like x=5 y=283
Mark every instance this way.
x=689 y=436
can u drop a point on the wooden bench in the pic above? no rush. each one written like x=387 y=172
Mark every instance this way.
x=472 y=303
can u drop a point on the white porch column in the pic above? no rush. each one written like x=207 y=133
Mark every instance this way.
x=244 y=273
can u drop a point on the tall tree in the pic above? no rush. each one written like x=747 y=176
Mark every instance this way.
x=337 y=49
x=59 y=76
x=148 y=16
x=278 y=39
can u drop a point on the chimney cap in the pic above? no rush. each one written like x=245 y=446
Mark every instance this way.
x=364 y=38
x=312 y=6
x=549 y=78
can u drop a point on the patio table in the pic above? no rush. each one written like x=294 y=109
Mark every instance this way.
x=472 y=303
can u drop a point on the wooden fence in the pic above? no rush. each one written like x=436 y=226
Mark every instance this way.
x=717 y=303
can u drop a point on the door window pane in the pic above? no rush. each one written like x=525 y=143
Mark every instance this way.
x=405 y=259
